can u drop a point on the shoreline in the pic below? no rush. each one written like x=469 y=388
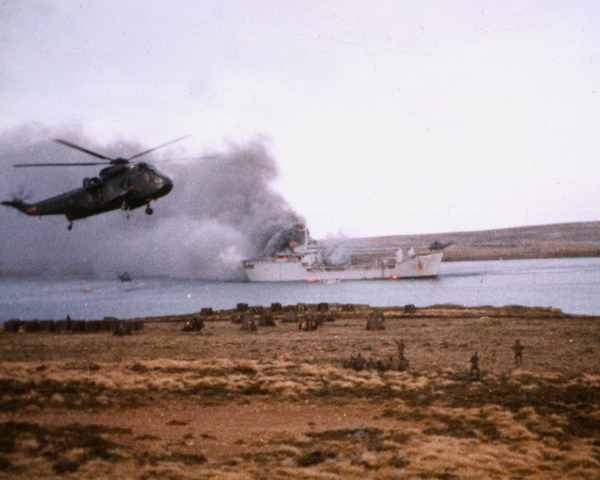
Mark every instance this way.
x=302 y=310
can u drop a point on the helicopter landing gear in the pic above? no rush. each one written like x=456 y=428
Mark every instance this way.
x=125 y=208
x=70 y=227
x=149 y=210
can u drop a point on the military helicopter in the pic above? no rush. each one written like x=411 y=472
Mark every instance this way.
x=119 y=185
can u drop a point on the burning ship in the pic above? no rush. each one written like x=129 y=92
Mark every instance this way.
x=291 y=255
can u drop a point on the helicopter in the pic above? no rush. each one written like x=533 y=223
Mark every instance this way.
x=119 y=185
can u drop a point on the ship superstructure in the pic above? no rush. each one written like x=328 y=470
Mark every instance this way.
x=305 y=261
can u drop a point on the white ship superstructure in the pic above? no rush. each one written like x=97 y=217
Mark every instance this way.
x=305 y=262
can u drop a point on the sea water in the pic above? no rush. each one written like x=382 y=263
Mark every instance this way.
x=572 y=285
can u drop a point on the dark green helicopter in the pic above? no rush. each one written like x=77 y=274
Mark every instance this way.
x=120 y=185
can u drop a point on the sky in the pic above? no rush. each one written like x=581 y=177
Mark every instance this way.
x=381 y=118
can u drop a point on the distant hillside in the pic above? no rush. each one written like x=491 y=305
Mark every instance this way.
x=543 y=241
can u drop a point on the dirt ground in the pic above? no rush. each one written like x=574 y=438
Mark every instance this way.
x=285 y=403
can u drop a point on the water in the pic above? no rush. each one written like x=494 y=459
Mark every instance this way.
x=573 y=285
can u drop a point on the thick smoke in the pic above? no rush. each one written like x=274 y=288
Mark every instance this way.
x=285 y=239
x=222 y=209
x=338 y=255
x=336 y=252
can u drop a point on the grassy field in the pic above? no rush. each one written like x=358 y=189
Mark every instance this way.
x=284 y=403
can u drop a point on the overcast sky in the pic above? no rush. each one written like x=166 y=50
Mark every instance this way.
x=384 y=118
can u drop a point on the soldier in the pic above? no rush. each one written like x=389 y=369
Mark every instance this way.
x=359 y=362
x=475 y=366
x=518 y=349
x=403 y=364
x=401 y=346
x=308 y=324
x=402 y=361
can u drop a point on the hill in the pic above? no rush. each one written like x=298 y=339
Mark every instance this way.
x=540 y=241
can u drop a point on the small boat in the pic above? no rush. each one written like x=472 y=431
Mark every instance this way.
x=125 y=277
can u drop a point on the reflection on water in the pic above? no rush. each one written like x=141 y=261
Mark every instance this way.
x=573 y=285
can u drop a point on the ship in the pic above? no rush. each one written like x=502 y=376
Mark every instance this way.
x=303 y=259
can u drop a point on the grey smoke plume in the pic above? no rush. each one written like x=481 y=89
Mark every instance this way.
x=337 y=255
x=222 y=209
x=336 y=251
x=284 y=239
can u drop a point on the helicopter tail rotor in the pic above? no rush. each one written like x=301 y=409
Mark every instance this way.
x=21 y=206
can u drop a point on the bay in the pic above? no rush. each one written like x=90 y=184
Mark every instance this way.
x=572 y=285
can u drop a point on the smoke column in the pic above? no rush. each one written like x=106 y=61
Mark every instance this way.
x=222 y=209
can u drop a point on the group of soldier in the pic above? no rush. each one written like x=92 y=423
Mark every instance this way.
x=475 y=372
x=289 y=314
x=311 y=322
x=359 y=362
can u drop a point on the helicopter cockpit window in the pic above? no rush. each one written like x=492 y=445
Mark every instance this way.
x=91 y=182
x=150 y=168
x=142 y=167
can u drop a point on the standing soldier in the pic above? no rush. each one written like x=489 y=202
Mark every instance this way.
x=475 y=366
x=401 y=346
x=403 y=363
x=518 y=349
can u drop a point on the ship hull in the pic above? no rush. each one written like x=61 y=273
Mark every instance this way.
x=292 y=270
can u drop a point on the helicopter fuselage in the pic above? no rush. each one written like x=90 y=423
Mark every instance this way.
x=120 y=186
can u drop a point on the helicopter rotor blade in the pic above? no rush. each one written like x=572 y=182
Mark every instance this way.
x=212 y=156
x=85 y=150
x=160 y=146
x=20 y=165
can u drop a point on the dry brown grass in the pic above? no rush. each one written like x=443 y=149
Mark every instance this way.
x=279 y=403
